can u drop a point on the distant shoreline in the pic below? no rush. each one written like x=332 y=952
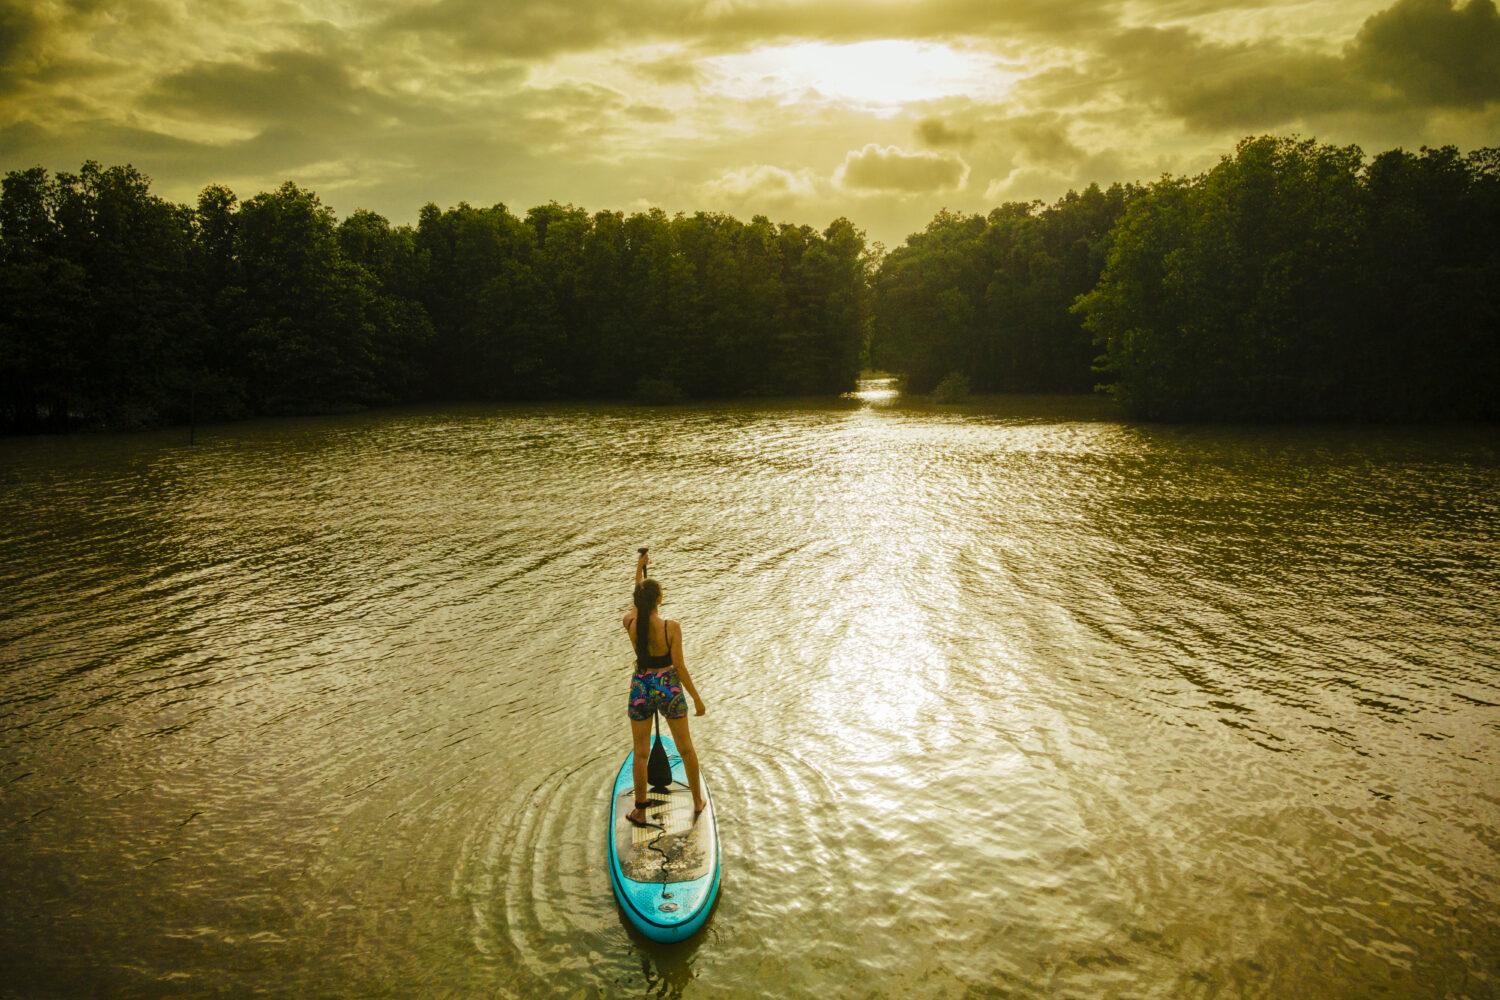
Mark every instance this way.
x=1032 y=407
x=1292 y=283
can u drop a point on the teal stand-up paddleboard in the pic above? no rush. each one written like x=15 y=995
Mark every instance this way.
x=665 y=879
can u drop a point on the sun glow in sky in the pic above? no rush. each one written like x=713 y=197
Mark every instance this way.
x=879 y=75
x=804 y=110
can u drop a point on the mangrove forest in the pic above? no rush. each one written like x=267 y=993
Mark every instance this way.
x=1292 y=281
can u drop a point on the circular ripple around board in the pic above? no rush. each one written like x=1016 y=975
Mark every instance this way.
x=532 y=874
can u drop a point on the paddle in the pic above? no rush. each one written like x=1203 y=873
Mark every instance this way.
x=658 y=768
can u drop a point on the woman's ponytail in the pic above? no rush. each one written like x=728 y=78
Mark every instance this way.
x=647 y=595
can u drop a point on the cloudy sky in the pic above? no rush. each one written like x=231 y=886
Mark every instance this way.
x=883 y=111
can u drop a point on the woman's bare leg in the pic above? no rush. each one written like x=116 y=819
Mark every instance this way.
x=684 y=741
x=640 y=738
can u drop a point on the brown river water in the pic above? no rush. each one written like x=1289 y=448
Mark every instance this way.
x=1010 y=699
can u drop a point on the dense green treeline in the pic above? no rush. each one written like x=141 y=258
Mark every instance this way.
x=562 y=302
x=1293 y=281
x=118 y=308
x=989 y=296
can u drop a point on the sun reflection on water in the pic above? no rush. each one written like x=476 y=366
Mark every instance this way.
x=876 y=390
x=995 y=686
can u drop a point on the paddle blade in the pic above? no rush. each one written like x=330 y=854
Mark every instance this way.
x=658 y=768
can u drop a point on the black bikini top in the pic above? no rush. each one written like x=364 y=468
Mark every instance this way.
x=652 y=660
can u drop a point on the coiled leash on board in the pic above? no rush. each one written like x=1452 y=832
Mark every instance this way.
x=659 y=777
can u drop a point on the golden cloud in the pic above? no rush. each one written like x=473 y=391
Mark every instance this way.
x=878 y=168
x=760 y=183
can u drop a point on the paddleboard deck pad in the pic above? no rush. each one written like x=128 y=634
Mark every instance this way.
x=665 y=878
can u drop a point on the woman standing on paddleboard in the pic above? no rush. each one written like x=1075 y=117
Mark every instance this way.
x=657 y=686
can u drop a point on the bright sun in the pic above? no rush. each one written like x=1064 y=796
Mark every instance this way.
x=877 y=74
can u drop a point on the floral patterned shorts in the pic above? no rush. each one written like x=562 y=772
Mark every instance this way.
x=656 y=690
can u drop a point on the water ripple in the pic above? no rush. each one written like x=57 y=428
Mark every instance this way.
x=1004 y=699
